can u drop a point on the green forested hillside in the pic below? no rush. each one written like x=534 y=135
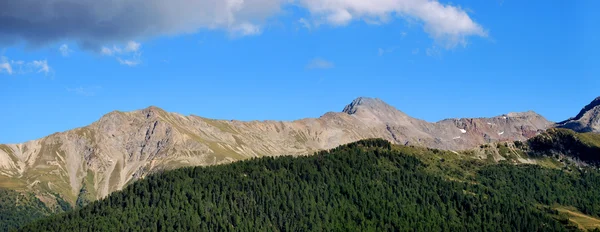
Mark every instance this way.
x=364 y=186
x=17 y=209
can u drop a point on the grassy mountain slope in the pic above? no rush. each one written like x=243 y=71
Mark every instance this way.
x=367 y=185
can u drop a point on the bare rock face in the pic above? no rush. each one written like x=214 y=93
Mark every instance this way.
x=122 y=147
x=588 y=119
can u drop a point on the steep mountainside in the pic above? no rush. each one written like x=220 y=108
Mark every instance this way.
x=588 y=119
x=90 y=162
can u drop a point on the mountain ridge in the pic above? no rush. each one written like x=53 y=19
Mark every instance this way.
x=122 y=147
x=587 y=120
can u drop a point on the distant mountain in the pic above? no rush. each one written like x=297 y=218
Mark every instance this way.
x=588 y=119
x=88 y=163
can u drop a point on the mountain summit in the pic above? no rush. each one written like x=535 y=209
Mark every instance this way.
x=588 y=119
x=590 y=107
x=373 y=104
x=376 y=111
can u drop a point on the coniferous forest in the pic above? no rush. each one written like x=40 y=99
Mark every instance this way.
x=368 y=185
x=17 y=209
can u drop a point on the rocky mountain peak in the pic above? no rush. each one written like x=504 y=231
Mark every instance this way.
x=588 y=119
x=595 y=103
x=151 y=111
x=366 y=103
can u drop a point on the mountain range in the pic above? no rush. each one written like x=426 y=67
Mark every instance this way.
x=122 y=147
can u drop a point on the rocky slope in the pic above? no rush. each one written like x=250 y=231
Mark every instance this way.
x=588 y=119
x=122 y=147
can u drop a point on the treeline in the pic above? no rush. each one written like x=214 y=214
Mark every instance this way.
x=363 y=186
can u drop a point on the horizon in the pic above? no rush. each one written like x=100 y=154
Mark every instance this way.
x=274 y=60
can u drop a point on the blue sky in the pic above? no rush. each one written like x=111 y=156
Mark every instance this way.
x=270 y=59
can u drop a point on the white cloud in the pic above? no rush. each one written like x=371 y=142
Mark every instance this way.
x=339 y=17
x=131 y=63
x=319 y=63
x=41 y=66
x=116 y=50
x=245 y=29
x=65 y=50
x=106 y=51
x=132 y=46
x=130 y=55
x=305 y=23
x=21 y=67
x=447 y=24
x=5 y=65
x=95 y=23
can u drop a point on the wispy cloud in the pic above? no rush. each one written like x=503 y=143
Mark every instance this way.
x=115 y=50
x=434 y=52
x=130 y=55
x=245 y=29
x=65 y=50
x=383 y=51
x=134 y=61
x=319 y=63
x=5 y=65
x=11 y=67
x=132 y=46
x=85 y=91
x=305 y=23
x=110 y=51
x=415 y=51
x=41 y=66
